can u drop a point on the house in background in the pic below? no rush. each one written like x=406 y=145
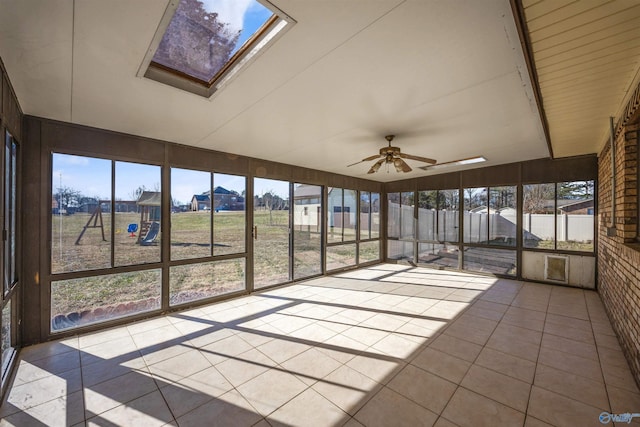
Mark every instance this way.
x=200 y=202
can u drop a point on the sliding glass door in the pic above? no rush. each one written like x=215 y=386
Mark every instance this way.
x=287 y=236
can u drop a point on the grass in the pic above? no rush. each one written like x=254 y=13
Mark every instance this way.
x=191 y=233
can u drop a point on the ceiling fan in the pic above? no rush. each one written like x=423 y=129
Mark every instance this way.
x=392 y=155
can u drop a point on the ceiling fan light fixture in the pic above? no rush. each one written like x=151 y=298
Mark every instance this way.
x=467 y=161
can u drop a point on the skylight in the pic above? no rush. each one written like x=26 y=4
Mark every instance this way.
x=203 y=43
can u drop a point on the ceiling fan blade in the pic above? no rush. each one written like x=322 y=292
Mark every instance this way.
x=401 y=165
x=418 y=158
x=365 y=160
x=376 y=166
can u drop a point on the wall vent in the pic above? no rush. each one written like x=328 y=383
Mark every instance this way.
x=556 y=268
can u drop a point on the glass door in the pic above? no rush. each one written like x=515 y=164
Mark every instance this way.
x=271 y=225
x=307 y=230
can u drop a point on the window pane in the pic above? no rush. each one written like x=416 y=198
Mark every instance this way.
x=502 y=216
x=5 y=340
x=229 y=218
x=575 y=216
x=448 y=214
x=307 y=230
x=11 y=149
x=334 y=215
x=427 y=214
x=489 y=260
x=393 y=215
x=190 y=214
x=375 y=215
x=438 y=255
x=80 y=302
x=365 y=215
x=475 y=215
x=369 y=251
x=138 y=207
x=350 y=215
x=81 y=213
x=203 y=36
x=538 y=205
x=408 y=223
x=341 y=256
x=198 y=281
x=398 y=250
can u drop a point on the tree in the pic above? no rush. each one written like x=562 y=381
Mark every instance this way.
x=536 y=198
x=196 y=42
x=67 y=197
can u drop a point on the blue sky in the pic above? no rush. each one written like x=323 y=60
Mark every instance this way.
x=92 y=177
x=248 y=15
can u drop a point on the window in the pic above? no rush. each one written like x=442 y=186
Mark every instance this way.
x=206 y=43
x=559 y=216
x=438 y=215
x=400 y=225
x=10 y=182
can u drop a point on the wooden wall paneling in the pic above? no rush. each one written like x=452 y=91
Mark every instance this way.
x=32 y=218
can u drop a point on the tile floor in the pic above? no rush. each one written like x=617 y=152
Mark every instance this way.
x=388 y=345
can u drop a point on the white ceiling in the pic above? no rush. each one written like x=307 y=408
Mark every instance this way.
x=447 y=77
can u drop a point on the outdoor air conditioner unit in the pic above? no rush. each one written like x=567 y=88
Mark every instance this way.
x=556 y=268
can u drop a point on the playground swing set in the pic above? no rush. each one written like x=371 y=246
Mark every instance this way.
x=149 y=202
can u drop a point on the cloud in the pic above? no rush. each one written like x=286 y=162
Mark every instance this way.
x=230 y=12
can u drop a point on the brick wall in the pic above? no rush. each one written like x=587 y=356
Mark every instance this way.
x=619 y=254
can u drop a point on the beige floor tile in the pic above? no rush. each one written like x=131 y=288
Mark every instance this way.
x=89 y=340
x=41 y=391
x=507 y=364
x=567 y=345
x=517 y=333
x=389 y=408
x=280 y=350
x=456 y=347
x=152 y=355
x=164 y=336
x=569 y=332
x=63 y=411
x=468 y=333
x=443 y=422
x=43 y=367
x=313 y=333
x=571 y=363
x=311 y=366
x=467 y=408
x=268 y=391
x=365 y=334
x=230 y=409
x=210 y=336
x=607 y=341
x=534 y=422
x=576 y=387
x=310 y=408
x=515 y=348
x=504 y=389
x=180 y=366
x=380 y=370
x=189 y=393
x=117 y=348
x=219 y=351
x=341 y=348
x=619 y=376
x=561 y=411
x=47 y=349
x=112 y=368
x=115 y=392
x=623 y=401
x=397 y=346
x=245 y=366
x=149 y=410
x=572 y=322
x=422 y=387
x=442 y=364
x=148 y=325
x=347 y=388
